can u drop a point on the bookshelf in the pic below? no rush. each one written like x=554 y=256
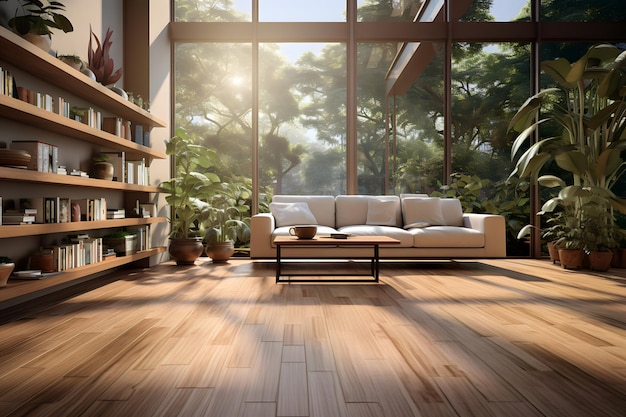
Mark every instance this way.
x=20 y=54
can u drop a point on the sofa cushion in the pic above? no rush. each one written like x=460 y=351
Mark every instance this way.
x=452 y=211
x=447 y=237
x=322 y=206
x=290 y=214
x=380 y=212
x=352 y=209
x=422 y=210
x=405 y=238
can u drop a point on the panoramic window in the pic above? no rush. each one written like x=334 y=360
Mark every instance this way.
x=334 y=106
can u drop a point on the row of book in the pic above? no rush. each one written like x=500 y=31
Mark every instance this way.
x=56 y=210
x=87 y=115
x=7 y=84
x=79 y=250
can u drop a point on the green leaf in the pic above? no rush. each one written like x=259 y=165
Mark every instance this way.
x=551 y=181
x=558 y=70
x=573 y=161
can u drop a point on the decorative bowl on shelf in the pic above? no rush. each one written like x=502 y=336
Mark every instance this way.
x=14 y=157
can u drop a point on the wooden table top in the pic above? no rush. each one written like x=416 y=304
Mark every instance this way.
x=327 y=240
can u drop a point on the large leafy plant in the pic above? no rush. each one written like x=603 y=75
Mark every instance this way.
x=40 y=18
x=588 y=111
x=191 y=182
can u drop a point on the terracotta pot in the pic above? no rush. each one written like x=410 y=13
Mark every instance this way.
x=185 y=251
x=5 y=273
x=619 y=258
x=600 y=261
x=554 y=252
x=572 y=258
x=220 y=251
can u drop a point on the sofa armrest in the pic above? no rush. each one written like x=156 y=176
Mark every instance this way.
x=262 y=226
x=493 y=226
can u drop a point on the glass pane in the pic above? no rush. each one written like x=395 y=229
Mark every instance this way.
x=583 y=11
x=302 y=11
x=489 y=84
x=213 y=105
x=388 y=11
x=213 y=11
x=372 y=140
x=302 y=118
x=417 y=163
x=497 y=11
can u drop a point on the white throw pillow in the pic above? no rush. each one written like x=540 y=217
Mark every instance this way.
x=381 y=213
x=291 y=214
x=422 y=210
x=452 y=211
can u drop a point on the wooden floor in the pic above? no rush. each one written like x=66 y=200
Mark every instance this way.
x=494 y=338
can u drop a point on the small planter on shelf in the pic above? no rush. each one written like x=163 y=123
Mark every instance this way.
x=123 y=243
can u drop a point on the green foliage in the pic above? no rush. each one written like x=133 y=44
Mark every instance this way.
x=229 y=210
x=190 y=184
x=589 y=107
x=40 y=19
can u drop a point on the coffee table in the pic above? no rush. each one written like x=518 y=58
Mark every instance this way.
x=352 y=241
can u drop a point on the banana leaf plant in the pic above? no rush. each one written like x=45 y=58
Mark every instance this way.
x=588 y=107
x=191 y=182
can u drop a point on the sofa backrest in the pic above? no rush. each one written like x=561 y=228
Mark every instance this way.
x=322 y=206
x=353 y=209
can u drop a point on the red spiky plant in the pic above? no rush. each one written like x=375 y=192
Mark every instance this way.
x=99 y=60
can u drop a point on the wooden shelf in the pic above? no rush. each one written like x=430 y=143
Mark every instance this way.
x=9 y=231
x=20 y=54
x=30 y=58
x=18 y=110
x=24 y=175
x=19 y=291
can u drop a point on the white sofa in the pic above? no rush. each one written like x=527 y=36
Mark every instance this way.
x=427 y=227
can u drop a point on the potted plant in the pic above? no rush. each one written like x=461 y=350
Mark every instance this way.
x=6 y=267
x=227 y=223
x=189 y=182
x=100 y=62
x=37 y=21
x=73 y=61
x=588 y=112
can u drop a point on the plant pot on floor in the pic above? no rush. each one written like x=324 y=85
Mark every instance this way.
x=619 y=258
x=554 y=252
x=185 y=251
x=220 y=251
x=572 y=258
x=600 y=260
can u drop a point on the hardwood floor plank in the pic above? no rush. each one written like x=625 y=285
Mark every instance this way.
x=293 y=398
